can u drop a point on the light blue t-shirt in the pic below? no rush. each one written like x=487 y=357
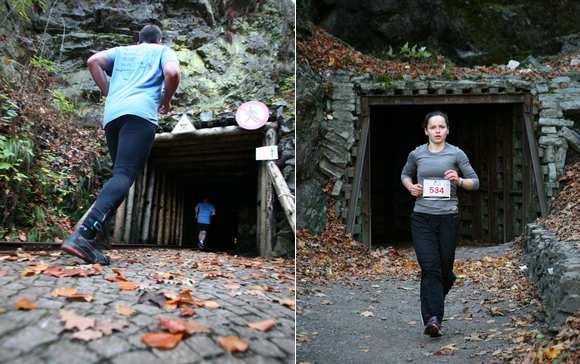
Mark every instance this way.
x=136 y=80
x=205 y=210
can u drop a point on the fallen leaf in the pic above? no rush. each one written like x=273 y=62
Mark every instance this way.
x=33 y=270
x=232 y=286
x=158 y=299
x=264 y=325
x=186 y=311
x=72 y=320
x=495 y=311
x=367 y=314
x=412 y=323
x=288 y=302
x=124 y=310
x=161 y=340
x=233 y=344
x=211 y=304
x=107 y=327
x=98 y=268
x=63 y=292
x=118 y=277
x=25 y=304
x=174 y=325
x=446 y=350
x=553 y=352
x=87 y=335
x=80 y=297
x=127 y=286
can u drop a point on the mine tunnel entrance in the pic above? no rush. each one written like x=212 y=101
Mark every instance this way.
x=218 y=163
x=490 y=130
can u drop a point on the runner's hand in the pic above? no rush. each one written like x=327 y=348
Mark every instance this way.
x=451 y=175
x=164 y=108
x=416 y=190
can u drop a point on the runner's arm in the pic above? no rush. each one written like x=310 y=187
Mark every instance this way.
x=471 y=181
x=409 y=170
x=98 y=64
x=171 y=79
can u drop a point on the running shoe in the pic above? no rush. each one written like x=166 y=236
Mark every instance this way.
x=83 y=248
x=433 y=327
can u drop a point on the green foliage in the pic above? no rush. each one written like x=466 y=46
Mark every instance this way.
x=16 y=156
x=448 y=70
x=8 y=108
x=62 y=103
x=23 y=7
x=42 y=63
x=407 y=53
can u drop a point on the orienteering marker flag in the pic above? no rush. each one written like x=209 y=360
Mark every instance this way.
x=252 y=115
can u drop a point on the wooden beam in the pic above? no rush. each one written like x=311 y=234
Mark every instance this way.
x=129 y=216
x=148 y=205
x=533 y=149
x=360 y=162
x=266 y=203
x=211 y=132
x=119 y=222
x=446 y=99
x=283 y=192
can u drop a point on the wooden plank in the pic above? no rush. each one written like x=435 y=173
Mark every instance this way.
x=460 y=99
x=283 y=192
x=167 y=215
x=155 y=208
x=148 y=206
x=209 y=132
x=533 y=150
x=266 y=203
x=508 y=172
x=161 y=212
x=366 y=208
x=353 y=204
x=140 y=203
x=119 y=222
x=491 y=202
x=129 y=215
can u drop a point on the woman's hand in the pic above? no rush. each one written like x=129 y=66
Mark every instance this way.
x=451 y=175
x=416 y=190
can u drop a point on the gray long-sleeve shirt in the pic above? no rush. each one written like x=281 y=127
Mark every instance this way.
x=423 y=163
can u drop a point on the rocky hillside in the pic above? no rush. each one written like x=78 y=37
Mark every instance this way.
x=51 y=109
x=468 y=32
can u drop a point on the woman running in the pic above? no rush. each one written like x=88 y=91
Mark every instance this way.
x=434 y=221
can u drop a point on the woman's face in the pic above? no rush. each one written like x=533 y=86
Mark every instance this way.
x=436 y=129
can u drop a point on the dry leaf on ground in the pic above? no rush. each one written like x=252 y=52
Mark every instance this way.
x=162 y=340
x=233 y=344
x=72 y=320
x=87 y=335
x=25 y=304
x=124 y=309
x=264 y=325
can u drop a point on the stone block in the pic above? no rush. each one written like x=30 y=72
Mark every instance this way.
x=550 y=140
x=337 y=188
x=549 y=130
x=573 y=106
x=330 y=169
x=555 y=122
x=572 y=137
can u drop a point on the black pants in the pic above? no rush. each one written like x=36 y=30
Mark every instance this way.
x=129 y=139
x=435 y=239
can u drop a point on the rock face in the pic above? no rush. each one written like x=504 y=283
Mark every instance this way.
x=554 y=267
x=311 y=205
x=217 y=74
x=469 y=32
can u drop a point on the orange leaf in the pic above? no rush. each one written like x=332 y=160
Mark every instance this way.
x=87 y=335
x=73 y=320
x=264 y=325
x=25 y=304
x=211 y=304
x=80 y=297
x=186 y=311
x=124 y=310
x=128 y=286
x=63 y=292
x=288 y=302
x=161 y=340
x=233 y=344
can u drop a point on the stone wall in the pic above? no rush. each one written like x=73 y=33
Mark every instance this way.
x=555 y=107
x=554 y=268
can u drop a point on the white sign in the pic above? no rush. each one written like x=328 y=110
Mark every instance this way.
x=436 y=189
x=268 y=153
x=183 y=126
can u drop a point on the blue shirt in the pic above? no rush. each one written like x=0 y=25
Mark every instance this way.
x=136 y=80
x=204 y=213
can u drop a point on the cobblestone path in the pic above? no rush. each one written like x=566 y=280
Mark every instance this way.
x=247 y=290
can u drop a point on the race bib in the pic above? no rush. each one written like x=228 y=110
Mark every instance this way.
x=436 y=189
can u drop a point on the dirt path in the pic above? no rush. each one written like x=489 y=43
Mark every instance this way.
x=379 y=322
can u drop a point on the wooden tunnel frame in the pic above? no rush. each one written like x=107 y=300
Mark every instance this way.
x=362 y=173
x=159 y=202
